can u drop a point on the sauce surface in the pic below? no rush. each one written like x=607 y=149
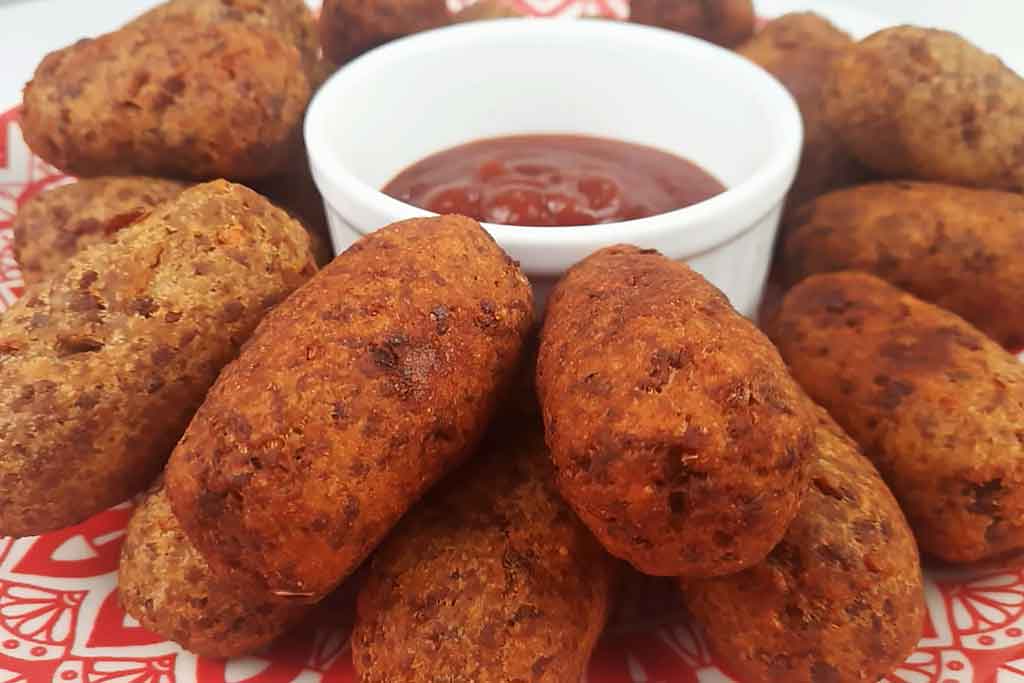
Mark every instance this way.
x=553 y=180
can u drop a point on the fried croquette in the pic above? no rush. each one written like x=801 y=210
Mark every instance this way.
x=55 y=225
x=724 y=22
x=799 y=49
x=489 y=9
x=935 y=404
x=102 y=366
x=840 y=598
x=295 y=191
x=926 y=104
x=351 y=399
x=348 y=28
x=491 y=579
x=956 y=247
x=178 y=95
x=678 y=436
x=165 y=584
x=290 y=18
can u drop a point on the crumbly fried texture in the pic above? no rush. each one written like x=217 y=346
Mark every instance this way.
x=678 y=435
x=320 y=246
x=55 y=225
x=102 y=366
x=350 y=400
x=840 y=598
x=724 y=22
x=927 y=104
x=935 y=404
x=290 y=18
x=323 y=70
x=176 y=95
x=295 y=191
x=489 y=9
x=492 y=579
x=799 y=49
x=165 y=583
x=348 y=28
x=955 y=247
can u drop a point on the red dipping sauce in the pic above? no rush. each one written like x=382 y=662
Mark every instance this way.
x=553 y=180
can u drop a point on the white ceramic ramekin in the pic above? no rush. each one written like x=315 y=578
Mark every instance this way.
x=432 y=91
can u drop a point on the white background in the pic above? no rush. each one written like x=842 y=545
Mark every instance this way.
x=31 y=28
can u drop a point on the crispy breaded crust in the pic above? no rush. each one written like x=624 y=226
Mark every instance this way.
x=955 y=247
x=926 y=104
x=492 y=579
x=936 y=405
x=181 y=96
x=290 y=18
x=165 y=583
x=55 y=225
x=102 y=367
x=489 y=9
x=799 y=49
x=348 y=28
x=724 y=22
x=351 y=399
x=679 y=437
x=841 y=597
x=295 y=191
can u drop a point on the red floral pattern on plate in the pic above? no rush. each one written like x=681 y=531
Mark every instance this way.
x=60 y=621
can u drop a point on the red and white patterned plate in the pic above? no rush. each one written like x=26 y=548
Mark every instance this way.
x=60 y=620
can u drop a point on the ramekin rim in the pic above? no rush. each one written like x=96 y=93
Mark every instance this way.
x=753 y=191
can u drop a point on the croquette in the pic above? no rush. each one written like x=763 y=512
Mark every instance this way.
x=678 y=436
x=956 y=247
x=489 y=9
x=724 y=22
x=348 y=28
x=291 y=18
x=840 y=598
x=491 y=579
x=183 y=94
x=925 y=104
x=933 y=402
x=351 y=399
x=165 y=584
x=799 y=49
x=102 y=366
x=55 y=225
x=295 y=191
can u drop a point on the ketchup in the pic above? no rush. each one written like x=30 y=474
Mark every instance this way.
x=553 y=180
